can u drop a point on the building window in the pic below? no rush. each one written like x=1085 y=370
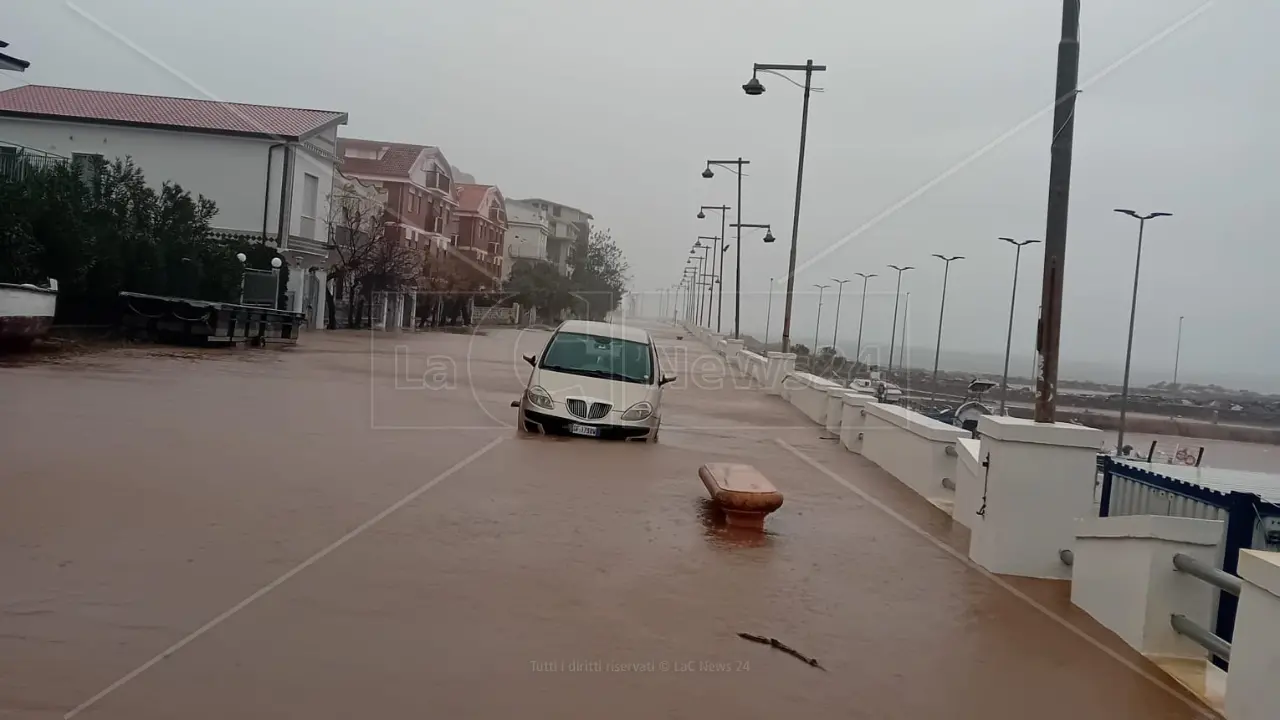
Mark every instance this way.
x=88 y=167
x=310 y=205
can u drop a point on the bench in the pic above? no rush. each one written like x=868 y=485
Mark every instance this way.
x=744 y=495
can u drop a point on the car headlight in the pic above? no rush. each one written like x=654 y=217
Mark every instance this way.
x=538 y=396
x=639 y=411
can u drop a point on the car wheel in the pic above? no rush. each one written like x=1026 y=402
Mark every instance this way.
x=653 y=438
x=522 y=425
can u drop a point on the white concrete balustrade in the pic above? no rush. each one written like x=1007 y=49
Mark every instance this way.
x=809 y=394
x=1253 y=685
x=917 y=450
x=1025 y=490
x=835 y=407
x=778 y=367
x=1123 y=576
x=1038 y=481
x=853 y=420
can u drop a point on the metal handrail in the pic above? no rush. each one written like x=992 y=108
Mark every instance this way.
x=1220 y=579
x=1203 y=637
x=1224 y=581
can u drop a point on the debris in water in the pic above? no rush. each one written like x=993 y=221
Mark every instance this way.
x=775 y=643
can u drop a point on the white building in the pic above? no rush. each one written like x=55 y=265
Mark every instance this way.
x=251 y=160
x=565 y=226
x=527 y=235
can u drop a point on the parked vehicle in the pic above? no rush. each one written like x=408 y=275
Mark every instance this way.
x=595 y=380
x=26 y=312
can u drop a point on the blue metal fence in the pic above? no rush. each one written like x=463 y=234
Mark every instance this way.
x=1247 y=503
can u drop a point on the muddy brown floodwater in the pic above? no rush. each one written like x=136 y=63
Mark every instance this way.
x=352 y=528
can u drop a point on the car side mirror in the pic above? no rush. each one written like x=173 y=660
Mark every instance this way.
x=666 y=379
x=531 y=359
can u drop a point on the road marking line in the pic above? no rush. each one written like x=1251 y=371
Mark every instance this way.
x=1001 y=582
x=284 y=578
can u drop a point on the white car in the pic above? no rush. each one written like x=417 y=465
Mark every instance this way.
x=597 y=380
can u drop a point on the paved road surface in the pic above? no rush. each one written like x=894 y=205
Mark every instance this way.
x=303 y=538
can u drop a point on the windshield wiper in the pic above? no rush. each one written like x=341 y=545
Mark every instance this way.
x=588 y=372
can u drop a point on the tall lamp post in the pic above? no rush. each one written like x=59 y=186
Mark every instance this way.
x=768 y=315
x=862 y=315
x=1133 y=311
x=702 y=214
x=817 y=323
x=937 y=350
x=701 y=273
x=1177 y=351
x=712 y=242
x=754 y=87
x=735 y=167
x=1008 y=341
x=897 y=295
x=835 y=334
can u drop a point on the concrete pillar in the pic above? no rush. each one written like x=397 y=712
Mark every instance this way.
x=835 y=407
x=1123 y=576
x=732 y=348
x=1038 y=481
x=852 y=420
x=322 y=300
x=1253 y=685
x=778 y=367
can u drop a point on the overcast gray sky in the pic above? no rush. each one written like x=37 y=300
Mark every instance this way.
x=613 y=107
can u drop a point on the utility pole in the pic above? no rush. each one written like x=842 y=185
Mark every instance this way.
x=1055 y=236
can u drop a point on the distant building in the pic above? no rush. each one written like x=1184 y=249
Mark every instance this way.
x=527 y=235
x=251 y=160
x=565 y=226
x=482 y=226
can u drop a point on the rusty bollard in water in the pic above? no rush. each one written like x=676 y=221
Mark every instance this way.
x=742 y=492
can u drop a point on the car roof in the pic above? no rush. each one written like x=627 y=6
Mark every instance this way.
x=603 y=329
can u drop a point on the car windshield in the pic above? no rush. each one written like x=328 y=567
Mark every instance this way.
x=599 y=356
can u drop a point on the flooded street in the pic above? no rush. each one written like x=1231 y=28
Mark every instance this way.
x=353 y=528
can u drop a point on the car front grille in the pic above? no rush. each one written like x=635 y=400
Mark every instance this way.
x=587 y=411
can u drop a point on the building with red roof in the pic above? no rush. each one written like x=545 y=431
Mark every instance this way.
x=269 y=169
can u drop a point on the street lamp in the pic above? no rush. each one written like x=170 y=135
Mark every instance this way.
x=818 y=322
x=723 y=209
x=937 y=350
x=711 y=287
x=702 y=272
x=1008 y=342
x=862 y=314
x=735 y=167
x=1133 y=310
x=768 y=316
x=753 y=87
x=839 y=296
x=276 y=264
x=1177 y=352
x=897 y=295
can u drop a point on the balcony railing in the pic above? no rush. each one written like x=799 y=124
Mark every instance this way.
x=16 y=162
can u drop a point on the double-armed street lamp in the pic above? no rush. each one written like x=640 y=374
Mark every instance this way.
x=754 y=87
x=1133 y=311
x=835 y=334
x=1008 y=342
x=897 y=295
x=735 y=167
x=817 y=324
x=937 y=350
x=862 y=315
x=702 y=214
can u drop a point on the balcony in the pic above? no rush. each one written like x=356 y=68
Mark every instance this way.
x=440 y=182
x=16 y=162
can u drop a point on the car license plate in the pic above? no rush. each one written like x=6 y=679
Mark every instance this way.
x=586 y=430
